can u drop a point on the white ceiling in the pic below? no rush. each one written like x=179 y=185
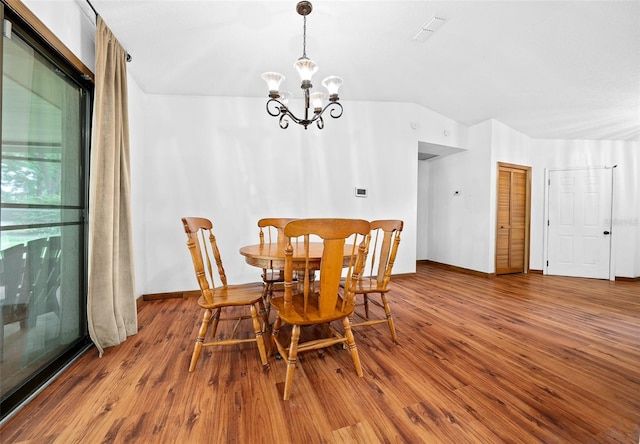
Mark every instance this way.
x=549 y=69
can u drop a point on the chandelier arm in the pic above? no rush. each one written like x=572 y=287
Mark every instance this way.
x=274 y=107
x=333 y=107
x=294 y=118
x=283 y=122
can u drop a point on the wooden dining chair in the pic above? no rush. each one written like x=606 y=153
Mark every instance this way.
x=14 y=276
x=215 y=300
x=311 y=300
x=381 y=254
x=272 y=231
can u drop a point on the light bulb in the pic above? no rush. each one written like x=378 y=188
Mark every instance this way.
x=306 y=69
x=316 y=101
x=273 y=80
x=284 y=97
x=332 y=83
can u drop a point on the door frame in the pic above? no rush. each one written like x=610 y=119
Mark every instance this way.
x=545 y=228
x=527 y=230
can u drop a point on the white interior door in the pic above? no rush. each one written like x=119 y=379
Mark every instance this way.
x=579 y=223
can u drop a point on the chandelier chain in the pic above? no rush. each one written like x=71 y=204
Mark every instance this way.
x=304 y=37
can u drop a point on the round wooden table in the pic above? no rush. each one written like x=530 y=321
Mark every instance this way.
x=271 y=256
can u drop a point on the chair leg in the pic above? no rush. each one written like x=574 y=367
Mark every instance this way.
x=275 y=345
x=291 y=360
x=200 y=339
x=216 y=321
x=366 y=306
x=257 y=328
x=262 y=312
x=351 y=343
x=266 y=327
x=266 y=296
x=387 y=311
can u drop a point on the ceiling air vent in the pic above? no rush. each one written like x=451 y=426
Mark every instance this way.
x=429 y=28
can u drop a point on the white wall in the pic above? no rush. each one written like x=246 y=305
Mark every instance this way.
x=72 y=22
x=432 y=128
x=462 y=233
x=226 y=159
x=435 y=128
x=138 y=161
x=510 y=146
x=458 y=225
x=552 y=154
x=422 y=220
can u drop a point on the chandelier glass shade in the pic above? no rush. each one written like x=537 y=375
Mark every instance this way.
x=278 y=103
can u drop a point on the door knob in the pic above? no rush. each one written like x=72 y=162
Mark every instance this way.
x=607 y=232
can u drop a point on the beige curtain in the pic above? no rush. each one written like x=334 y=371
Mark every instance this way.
x=111 y=307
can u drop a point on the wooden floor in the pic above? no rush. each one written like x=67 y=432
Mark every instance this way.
x=514 y=359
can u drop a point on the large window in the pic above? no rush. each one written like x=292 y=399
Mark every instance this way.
x=43 y=203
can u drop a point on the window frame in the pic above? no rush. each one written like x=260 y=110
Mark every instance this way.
x=33 y=31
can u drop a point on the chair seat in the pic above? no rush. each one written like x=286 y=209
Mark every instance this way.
x=312 y=315
x=368 y=285
x=233 y=295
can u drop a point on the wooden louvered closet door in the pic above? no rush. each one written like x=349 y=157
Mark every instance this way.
x=512 y=232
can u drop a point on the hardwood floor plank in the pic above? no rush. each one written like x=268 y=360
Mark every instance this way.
x=360 y=432
x=514 y=359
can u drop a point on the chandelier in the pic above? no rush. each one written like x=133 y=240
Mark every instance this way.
x=277 y=105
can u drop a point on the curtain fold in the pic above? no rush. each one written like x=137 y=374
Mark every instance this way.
x=111 y=302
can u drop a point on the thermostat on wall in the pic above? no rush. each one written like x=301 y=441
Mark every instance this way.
x=361 y=192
